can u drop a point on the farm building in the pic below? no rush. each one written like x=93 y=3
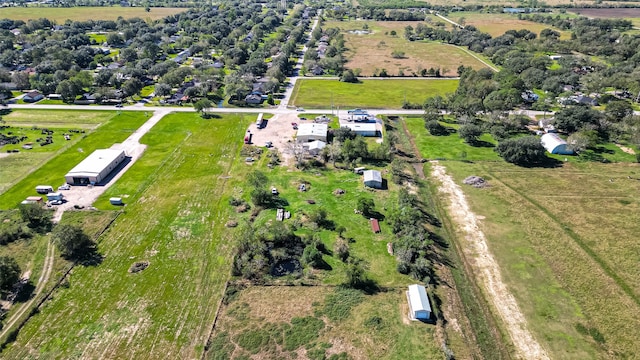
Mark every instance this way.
x=315 y=147
x=95 y=167
x=555 y=144
x=375 y=225
x=362 y=129
x=312 y=132
x=372 y=179
x=419 y=306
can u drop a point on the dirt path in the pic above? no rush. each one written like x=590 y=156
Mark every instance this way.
x=42 y=281
x=488 y=272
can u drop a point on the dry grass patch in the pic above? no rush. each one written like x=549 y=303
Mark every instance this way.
x=498 y=24
x=60 y=15
x=371 y=52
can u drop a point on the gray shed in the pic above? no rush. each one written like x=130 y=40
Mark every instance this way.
x=419 y=306
x=372 y=179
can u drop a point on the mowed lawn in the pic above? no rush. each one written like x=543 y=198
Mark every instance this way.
x=372 y=52
x=84 y=13
x=176 y=223
x=565 y=240
x=497 y=24
x=21 y=172
x=372 y=94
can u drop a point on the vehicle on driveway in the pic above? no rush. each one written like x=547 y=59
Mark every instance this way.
x=299 y=109
x=64 y=187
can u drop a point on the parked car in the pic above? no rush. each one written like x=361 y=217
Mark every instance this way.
x=56 y=202
x=299 y=109
x=64 y=187
x=274 y=191
x=268 y=144
x=118 y=105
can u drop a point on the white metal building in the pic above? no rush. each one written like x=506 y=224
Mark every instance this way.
x=315 y=147
x=362 y=129
x=312 y=132
x=372 y=179
x=555 y=144
x=419 y=306
x=95 y=167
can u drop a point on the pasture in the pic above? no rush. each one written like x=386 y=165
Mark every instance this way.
x=49 y=167
x=373 y=52
x=320 y=322
x=174 y=220
x=632 y=14
x=561 y=236
x=60 y=15
x=370 y=93
x=497 y=24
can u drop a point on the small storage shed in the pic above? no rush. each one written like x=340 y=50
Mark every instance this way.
x=116 y=201
x=419 y=306
x=372 y=179
x=375 y=225
x=554 y=144
x=315 y=147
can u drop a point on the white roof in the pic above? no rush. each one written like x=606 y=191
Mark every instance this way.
x=317 y=145
x=418 y=299
x=96 y=162
x=551 y=140
x=368 y=127
x=312 y=129
x=372 y=175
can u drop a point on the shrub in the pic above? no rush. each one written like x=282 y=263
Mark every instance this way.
x=435 y=128
x=524 y=151
x=470 y=133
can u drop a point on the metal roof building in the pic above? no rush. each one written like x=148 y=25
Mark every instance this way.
x=554 y=144
x=372 y=179
x=95 y=167
x=419 y=306
x=311 y=132
x=362 y=129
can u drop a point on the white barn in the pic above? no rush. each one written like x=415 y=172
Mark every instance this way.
x=419 y=306
x=372 y=179
x=362 y=129
x=554 y=144
x=312 y=132
x=95 y=167
x=315 y=147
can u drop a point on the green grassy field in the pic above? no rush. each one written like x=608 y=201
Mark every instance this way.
x=175 y=220
x=376 y=94
x=60 y=15
x=266 y=321
x=83 y=119
x=561 y=237
x=371 y=52
x=50 y=167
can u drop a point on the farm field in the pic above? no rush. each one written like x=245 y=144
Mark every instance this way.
x=49 y=167
x=60 y=15
x=372 y=94
x=498 y=24
x=632 y=14
x=560 y=236
x=503 y=3
x=285 y=322
x=372 y=52
x=175 y=221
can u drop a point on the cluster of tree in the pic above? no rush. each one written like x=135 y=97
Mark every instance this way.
x=413 y=245
x=352 y=149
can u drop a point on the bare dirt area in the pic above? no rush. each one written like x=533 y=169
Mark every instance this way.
x=613 y=13
x=628 y=150
x=477 y=252
x=279 y=131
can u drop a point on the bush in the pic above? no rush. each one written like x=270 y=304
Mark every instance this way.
x=435 y=128
x=470 y=133
x=341 y=249
x=9 y=272
x=36 y=216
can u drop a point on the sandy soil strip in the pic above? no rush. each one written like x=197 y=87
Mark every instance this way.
x=488 y=272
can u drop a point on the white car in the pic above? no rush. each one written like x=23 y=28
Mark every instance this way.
x=64 y=187
x=299 y=109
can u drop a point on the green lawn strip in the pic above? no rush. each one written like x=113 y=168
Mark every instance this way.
x=177 y=224
x=553 y=278
x=82 y=13
x=52 y=173
x=15 y=166
x=57 y=118
x=450 y=147
x=377 y=94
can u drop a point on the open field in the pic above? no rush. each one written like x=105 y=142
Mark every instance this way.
x=371 y=52
x=176 y=222
x=632 y=14
x=77 y=119
x=286 y=322
x=502 y=3
x=50 y=169
x=498 y=24
x=372 y=94
x=560 y=236
x=60 y=15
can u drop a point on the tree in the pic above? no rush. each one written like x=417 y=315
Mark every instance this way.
x=470 y=133
x=523 y=151
x=9 y=272
x=162 y=89
x=71 y=241
x=366 y=206
x=343 y=133
x=573 y=118
x=68 y=89
x=341 y=249
x=618 y=110
x=312 y=256
x=132 y=86
x=36 y=216
x=201 y=105
x=348 y=76
x=582 y=140
x=21 y=79
x=435 y=128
